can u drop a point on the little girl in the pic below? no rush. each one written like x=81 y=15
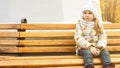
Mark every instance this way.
x=91 y=39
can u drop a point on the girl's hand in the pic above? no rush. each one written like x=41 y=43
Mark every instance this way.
x=95 y=51
x=84 y=47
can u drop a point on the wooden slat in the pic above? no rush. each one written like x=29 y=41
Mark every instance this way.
x=9 y=26
x=8 y=49
x=46 y=49
x=46 y=42
x=47 y=34
x=57 y=42
x=47 y=26
x=96 y=66
x=57 y=62
x=59 y=49
x=57 y=34
x=115 y=33
x=8 y=42
x=113 y=41
x=48 y=57
x=112 y=26
x=9 y=34
x=113 y=48
x=62 y=26
x=51 y=26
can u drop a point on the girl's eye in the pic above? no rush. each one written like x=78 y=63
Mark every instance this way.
x=84 y=13
x=89 y=13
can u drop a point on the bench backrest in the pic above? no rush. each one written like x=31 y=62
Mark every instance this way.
x=59 y=38
x=49 y=38
x=8 y=38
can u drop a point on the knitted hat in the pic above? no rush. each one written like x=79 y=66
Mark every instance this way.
x=92 y=6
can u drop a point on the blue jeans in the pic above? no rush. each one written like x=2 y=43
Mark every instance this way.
x=88 y=57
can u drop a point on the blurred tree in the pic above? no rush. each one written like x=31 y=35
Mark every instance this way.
x=110 y=10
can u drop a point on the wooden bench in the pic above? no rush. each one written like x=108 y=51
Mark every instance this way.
x=8 y=38
x=49 y=46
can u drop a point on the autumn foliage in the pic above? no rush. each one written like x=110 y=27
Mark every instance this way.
x=110 y=10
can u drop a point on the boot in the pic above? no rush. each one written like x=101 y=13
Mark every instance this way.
x=110 y=65
x=89 y=66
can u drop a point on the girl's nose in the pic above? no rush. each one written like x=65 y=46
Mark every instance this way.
x=87 y=15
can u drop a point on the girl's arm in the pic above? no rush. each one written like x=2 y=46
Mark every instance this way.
x=79 y=38
x=102 y=39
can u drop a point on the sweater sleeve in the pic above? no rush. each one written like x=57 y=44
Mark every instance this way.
x=102 y=42
x=79 y=38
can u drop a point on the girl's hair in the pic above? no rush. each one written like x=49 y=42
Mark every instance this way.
x=97 y=28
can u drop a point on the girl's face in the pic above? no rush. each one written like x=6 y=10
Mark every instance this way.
x=88 y=15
